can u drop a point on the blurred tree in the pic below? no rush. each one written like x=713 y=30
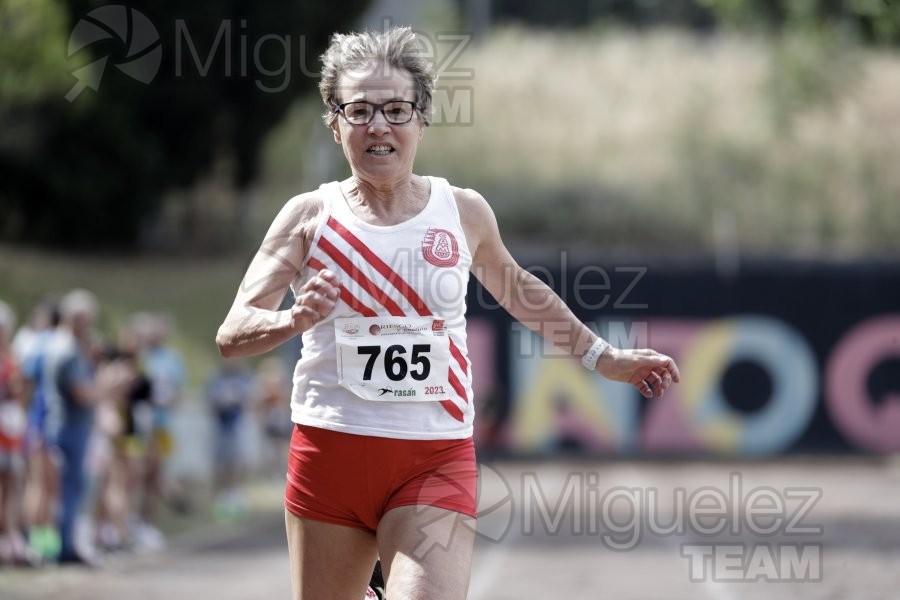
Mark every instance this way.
x=32 y=68
x=875 y=21
x=194 y=82
x=32 y=51
x=578 y=13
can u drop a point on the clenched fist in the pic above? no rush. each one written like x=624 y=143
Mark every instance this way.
x=316 y=299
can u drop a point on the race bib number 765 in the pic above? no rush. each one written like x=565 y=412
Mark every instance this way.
x=393 y=358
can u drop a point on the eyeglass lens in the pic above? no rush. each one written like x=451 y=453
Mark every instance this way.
x=397 y=112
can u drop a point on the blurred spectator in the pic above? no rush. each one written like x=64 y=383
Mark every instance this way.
x=138 y=438
x=120 y=449
x=71 y=396
x=13 y=548
x=43 y=319
x=274 y=406
x=69 y=378
x=164 y=367
x=229 y=393
x=110 y=474
x=30 y=346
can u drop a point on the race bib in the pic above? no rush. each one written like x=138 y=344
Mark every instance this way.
x=393 y=358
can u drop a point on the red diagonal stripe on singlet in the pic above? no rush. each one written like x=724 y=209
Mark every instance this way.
x=458 y=355
x=457 y=385
x=397 y=281
x=408 y=292
x=360 y=278
x=388 y=273
x=346 y=295
x=453 y=410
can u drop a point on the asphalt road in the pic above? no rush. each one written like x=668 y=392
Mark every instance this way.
x=235 y=563
x=545 y=535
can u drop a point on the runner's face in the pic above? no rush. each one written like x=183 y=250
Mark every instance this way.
x=380 y=150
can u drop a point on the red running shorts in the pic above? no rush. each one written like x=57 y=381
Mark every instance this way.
x=353 y=480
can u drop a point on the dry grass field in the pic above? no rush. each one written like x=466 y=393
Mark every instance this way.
x=660 y=141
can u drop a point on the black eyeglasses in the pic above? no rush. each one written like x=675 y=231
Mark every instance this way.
x=396 y=112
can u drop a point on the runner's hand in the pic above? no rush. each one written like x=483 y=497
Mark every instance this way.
x=650 y=372
x=316 y=299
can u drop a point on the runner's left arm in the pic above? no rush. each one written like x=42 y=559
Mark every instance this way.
x=538 y=307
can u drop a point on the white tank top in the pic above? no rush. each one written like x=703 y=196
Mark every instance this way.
x=390 y=360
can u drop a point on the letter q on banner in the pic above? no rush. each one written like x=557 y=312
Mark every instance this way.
x=874 y=427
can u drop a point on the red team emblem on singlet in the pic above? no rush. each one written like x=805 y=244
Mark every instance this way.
x=440 y=248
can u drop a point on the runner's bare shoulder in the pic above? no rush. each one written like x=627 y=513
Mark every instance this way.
x=475 y=215
x=294 y=227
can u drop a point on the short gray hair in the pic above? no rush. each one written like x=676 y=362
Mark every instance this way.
x=78 y=302
x=397 y=48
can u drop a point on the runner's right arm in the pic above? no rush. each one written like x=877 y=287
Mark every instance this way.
x=254 y=324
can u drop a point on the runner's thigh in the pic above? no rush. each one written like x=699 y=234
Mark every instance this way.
x=328 y=562
x=426 y=553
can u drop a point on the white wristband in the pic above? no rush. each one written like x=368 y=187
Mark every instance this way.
x=590 y=358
